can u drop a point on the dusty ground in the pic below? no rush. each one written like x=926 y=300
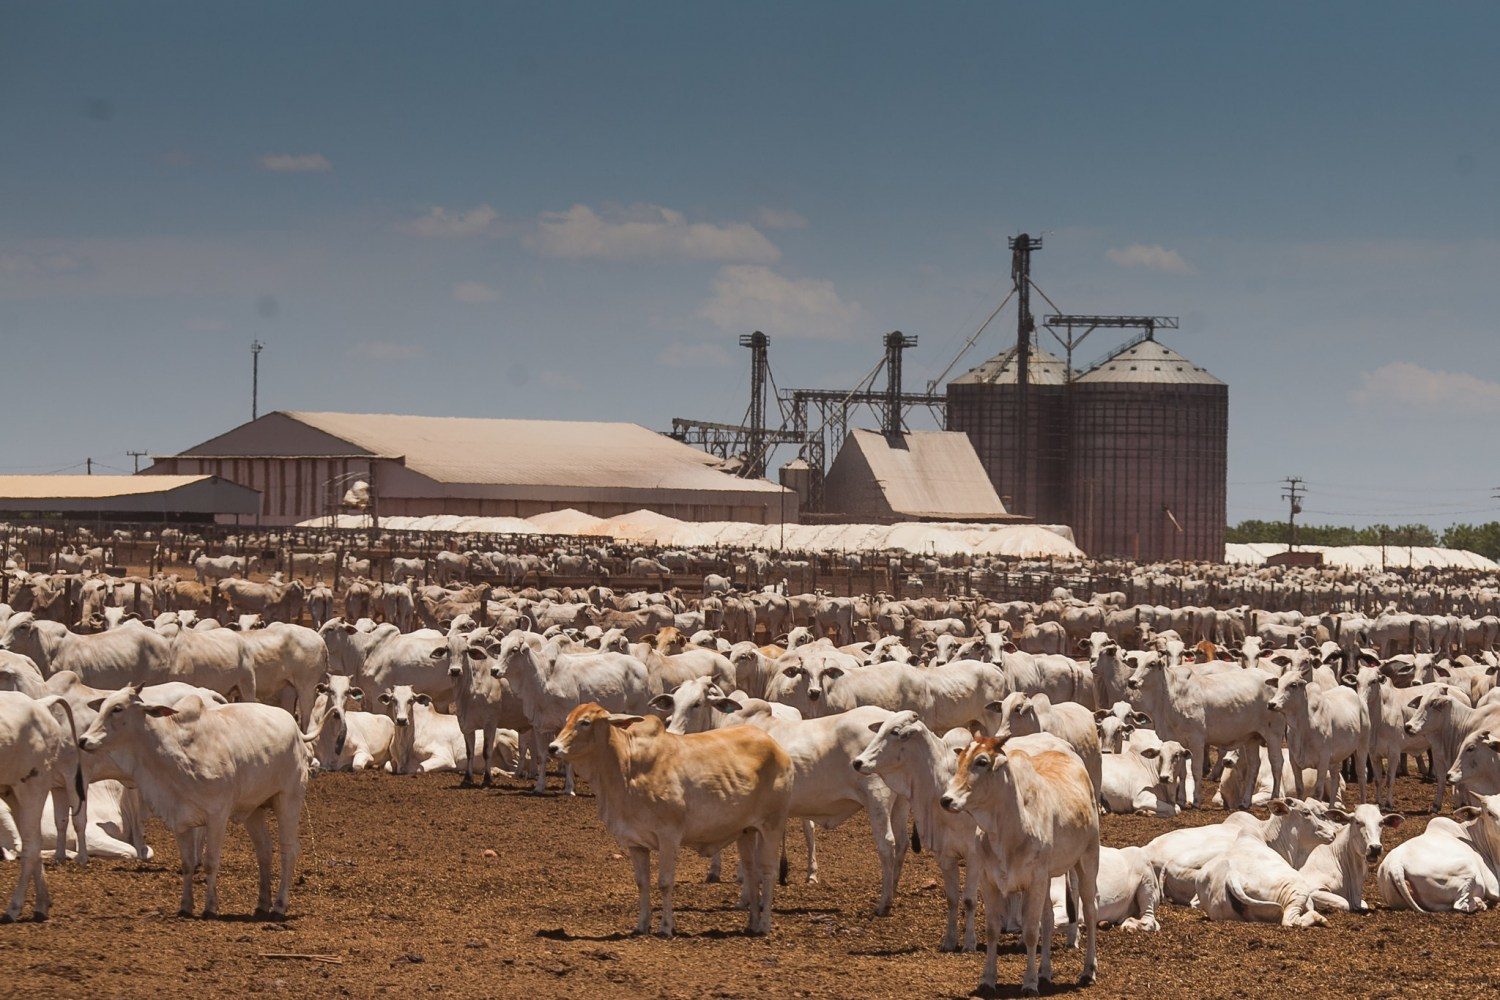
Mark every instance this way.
x=394 y=883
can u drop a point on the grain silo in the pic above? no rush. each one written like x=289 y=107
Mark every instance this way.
x=1149 y=443
x=983 y=403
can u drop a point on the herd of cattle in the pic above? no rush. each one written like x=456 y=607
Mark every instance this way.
x=991 y=733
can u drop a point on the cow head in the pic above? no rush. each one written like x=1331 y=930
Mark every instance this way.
x=690 y=707
x=587 y=731
x=977 y=763
x=885 y=751
x=1477 y=763
x=400 y=704
x=121 y=715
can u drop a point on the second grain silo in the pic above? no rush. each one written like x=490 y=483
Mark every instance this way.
x=1148 y=456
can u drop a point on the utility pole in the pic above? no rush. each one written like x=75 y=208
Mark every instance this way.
x=1292 y=492
x=1020 y=274
x=88 y=466
x=137 y=455
x=255 y=348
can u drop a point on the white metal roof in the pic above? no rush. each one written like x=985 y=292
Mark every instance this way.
x=929 y=474
x=89 y=487
x=1045 y=369
x=497 y=451
x=1148 y=361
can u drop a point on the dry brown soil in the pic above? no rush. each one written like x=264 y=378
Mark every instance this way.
x=395 y=883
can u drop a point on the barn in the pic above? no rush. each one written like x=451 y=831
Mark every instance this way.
x=126 y=498
x=913 y=476
x=304 y=463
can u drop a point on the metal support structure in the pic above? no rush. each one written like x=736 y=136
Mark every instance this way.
x=895 y=343
x=1021 y=248
x=755 y=453
x=255 y=348
x=1070 y=339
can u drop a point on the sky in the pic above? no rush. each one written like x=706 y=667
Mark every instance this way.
x=574 y=210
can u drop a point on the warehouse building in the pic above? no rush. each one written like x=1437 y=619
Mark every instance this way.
x=1133 y=452
x=914 y=476
x=304 y=463
x=127 y=498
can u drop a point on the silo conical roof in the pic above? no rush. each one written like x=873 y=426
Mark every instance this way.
x=1045 y=369
x=1148 y=361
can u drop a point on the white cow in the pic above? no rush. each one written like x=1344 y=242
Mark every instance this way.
x=348 y=741
x=1238 y=778
x=1145 y=780
x=484 y=703
x=1477 y=768
x=1021 y=714
x=1128 y=889
x=202 y=767
x=1292 y=830
x=1446 y=722
x=917 y=765
x=1324 y=728
x=1337 y=871
x=1452 y=865
x=944 y=696
x=550 y=683
x=427 y=740
x=1040 y=819
x=1199 y=711
x=1250 y=881
x=37 y=758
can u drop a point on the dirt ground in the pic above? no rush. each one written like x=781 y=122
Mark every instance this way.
x=395 y=883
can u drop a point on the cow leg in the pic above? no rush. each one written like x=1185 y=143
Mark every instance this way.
x=666 y=880
x=1035 y=898
x=28 y=804
x=80 y=821
x=1048 y=929
x=288 y=809
x=765 y=864
x=1199 y=752
x=640 y=859
x=260 y=838
x=1278 y=764
x=187 y=849
x=880 y=809
x=715 y=865
x=568 y=780
x=489 y=752
x=971 y=903
x=809 y=834
x=213 y=850
x=539 y=751
x=468 y=736
x=60 y=816
x=994 y=925
x=949 y=866
x=1088 y=891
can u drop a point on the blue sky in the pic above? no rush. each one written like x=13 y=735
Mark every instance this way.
x=574 y=210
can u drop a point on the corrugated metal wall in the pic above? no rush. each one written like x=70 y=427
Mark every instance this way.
x=1141 y=450
x=987 y=413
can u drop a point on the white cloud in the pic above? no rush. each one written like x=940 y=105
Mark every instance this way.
x=439 y=223
x=558 y=380
x=752 y=297
x=679 y=355
x=475 y=292
x=41 y=264
x=646 y=232
x=780 y=218
x=386 y=350
x=1404 y=384
x=295 y=163
x=1151 y=257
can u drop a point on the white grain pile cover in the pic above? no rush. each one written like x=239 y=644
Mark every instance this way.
x=567 y=521
x=1363 y=557
x=628 y=526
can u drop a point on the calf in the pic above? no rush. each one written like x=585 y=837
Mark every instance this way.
x=1336 y=872
x=1040 y=819
x=1145 y=780
x=1250 y=881
x=1022 y=714
x=348 y=741
x=658 y=791
x=198 y=766
x=1323 y=729
x=425 y=739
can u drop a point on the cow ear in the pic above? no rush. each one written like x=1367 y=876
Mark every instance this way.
x=1279 y=807
x=1150 y=753
x=1465 y=813
x=423 y=699
x=350 y=629
x=976 y=729
x=625 y=721
x=875 y=726
x=663 y=703
x=790 y=671
x=1099 y=714
x=1392 y=820
x=1271 y=682
x=477 y=653
x=726 y=705
x=96 y=703
x=438 y=652
x=1339 y=815
x=323 y=689
x=160 y=711
x=358 y=694
x=385 y=697
x=996 y=706
x=1349 y=680
x=1414 y=702
x=1009 y=647
x=1142 y=719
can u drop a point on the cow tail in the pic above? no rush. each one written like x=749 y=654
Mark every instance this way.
x=916 y=839
x=79 y=786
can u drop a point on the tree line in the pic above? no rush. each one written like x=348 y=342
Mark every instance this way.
x=1481 y=538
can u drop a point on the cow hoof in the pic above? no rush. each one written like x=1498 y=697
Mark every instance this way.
x=1030 y=991
x=38 y=918
x=6 y=918
x=185 y=913
x=712 y=879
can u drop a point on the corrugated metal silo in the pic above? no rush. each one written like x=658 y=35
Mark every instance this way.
x=983 y=403
x=1149 y=443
